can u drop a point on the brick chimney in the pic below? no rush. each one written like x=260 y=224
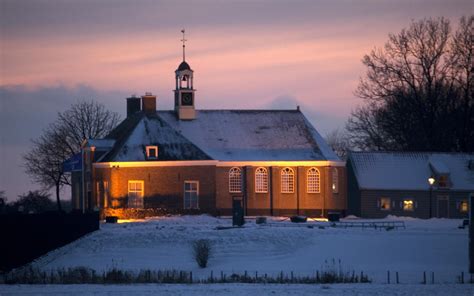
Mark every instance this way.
x=149 y=103
x=133 y=105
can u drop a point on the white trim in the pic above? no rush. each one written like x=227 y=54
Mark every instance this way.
x=233 y=180
x=132 y=164
x=148 y=149
x=197 y=194
x=287 y=175
x=282 y=163
x=261 y=186
x=315 y=178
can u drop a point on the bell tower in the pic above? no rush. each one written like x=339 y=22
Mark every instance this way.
x=184 y=92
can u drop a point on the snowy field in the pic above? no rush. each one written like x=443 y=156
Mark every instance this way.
x=243 y=290
x=435 y=245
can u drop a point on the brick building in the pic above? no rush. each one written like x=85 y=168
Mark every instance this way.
x=398 y=183
x=273 y=162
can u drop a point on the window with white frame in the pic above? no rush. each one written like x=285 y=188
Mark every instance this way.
x=135 y=193
x=287 y=180
x=335 y=181
x=385 y=204
x=151 y=152
x=261 y=180
x=191 y=194
x=313 y=181
x=408 y=205
x=235 y=180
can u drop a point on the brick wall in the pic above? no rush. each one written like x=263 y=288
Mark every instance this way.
x=163 y=186
x=311 y=204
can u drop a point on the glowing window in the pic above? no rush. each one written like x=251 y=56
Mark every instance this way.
x=464 y=206
x=313 y=181
x=385 y=204
x=261 y=180
x=408 y=205
x=152 y=152
x=235 y=180
x=287 y=180
x=335 y=181
x=135 y=194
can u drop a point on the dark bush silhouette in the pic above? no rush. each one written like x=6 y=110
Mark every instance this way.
x=202 y=252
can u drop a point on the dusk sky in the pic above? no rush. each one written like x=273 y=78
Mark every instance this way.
x=245 y=54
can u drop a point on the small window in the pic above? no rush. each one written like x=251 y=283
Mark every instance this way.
x=135 y=194
x=261 y=180
x=408 y=205
x=313 y=181
x=152 y=152
x=335 y=181
x=287 y=180
x=191 y=194
x=235 y=180
x=385 y=204
x=464 y=206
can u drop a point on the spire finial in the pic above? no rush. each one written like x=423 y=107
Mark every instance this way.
x=184 y=46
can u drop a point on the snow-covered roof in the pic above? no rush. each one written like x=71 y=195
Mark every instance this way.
x=227 y=135
x=100 y=143
x=410 y=170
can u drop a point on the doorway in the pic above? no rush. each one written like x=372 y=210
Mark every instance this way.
x=442 y=206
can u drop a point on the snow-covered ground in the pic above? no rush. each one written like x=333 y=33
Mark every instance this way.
x=242 y=289
x=435 y=245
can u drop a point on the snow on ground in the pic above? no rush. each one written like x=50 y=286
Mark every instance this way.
x=242 y=289
x=434 y=245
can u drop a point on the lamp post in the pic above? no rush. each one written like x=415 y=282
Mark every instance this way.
x=431 y=181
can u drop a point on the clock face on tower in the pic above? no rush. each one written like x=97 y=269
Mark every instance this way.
x=186 y=99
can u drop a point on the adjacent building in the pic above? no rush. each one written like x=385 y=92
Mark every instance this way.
x=413 y=184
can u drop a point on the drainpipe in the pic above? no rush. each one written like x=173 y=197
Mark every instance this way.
x=245 y=189
x=297 y=190
x=271 y=190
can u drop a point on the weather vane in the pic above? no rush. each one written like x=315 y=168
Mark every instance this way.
x=184 y=41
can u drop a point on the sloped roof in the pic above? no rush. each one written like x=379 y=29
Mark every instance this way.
x=410 y=170
x=239 y=135
x=227 y=135
x=150 y=130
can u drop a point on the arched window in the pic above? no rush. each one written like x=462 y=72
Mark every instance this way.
x=335 y=181
x=261 y=180
x=313 y=181
x=235 y=180
x=287 y=180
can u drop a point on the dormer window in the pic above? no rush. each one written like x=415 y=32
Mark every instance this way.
x=151 y=152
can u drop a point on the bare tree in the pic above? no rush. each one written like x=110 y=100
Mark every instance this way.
x=339 y=142
x=418 y=91
x=62 y=139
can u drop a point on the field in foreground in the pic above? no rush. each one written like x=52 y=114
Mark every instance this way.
x=434 y=245
x=242 y=289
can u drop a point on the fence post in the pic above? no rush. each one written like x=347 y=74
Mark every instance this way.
x=388 y=276
x=397 y=277
x=432 y=277
x=424 y=277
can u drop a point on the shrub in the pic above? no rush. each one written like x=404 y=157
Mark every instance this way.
x=202 y=252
